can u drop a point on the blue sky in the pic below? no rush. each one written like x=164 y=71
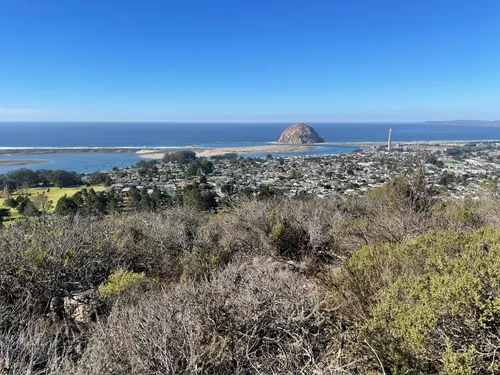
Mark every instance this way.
x=253 y=60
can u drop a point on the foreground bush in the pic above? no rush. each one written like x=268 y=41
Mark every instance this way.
x=430 y=305
x=251 y=318
x=119 y=283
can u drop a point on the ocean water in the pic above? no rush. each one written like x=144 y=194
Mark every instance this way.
x=74 y=134
x=220 y=134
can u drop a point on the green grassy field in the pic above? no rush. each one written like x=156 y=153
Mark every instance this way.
x=53 y=193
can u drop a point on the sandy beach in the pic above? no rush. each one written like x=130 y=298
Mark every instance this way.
x=208 y=152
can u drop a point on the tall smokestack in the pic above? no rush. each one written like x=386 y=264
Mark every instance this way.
x=389 y=142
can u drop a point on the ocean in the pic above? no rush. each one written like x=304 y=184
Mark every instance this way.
x=151 y=135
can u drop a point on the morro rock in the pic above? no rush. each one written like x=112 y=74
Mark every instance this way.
x=300 y=134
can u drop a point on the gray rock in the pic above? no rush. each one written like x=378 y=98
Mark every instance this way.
x=82 y=307
x=300 y=134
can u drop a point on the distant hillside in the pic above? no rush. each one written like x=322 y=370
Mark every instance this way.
x=464 y=122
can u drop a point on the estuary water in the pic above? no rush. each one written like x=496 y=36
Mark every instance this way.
x=151 y=135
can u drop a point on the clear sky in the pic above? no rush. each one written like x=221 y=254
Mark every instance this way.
x=249 y=60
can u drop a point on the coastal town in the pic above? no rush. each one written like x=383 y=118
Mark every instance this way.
x=210 y=179
x=457 y=170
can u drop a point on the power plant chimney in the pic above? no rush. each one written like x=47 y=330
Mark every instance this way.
x=389 y=142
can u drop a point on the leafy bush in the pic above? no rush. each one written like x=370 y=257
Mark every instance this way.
x=120 y=282
x=430 y=305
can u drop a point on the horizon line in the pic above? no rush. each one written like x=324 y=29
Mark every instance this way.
x=215 y=122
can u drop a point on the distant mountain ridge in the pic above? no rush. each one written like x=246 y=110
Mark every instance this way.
x=464 y=122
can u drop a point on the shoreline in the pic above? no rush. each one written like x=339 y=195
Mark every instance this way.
x=153 y=152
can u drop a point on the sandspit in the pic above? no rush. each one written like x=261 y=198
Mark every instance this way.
x=14 y=163
x=208 y=152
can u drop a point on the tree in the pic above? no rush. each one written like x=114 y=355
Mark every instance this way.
x=145 y=201
x=22 y=203
x=100 y=178
x=31 y=210
x=64 y=179
x=192 y=170
x=203 y=200
x=4 y=213
x=199 y=167
x=159 y=199
x=266 y=192
x=66 y=206
x=11 y=202
x=182 y=157
x=78 y=198
x=113 y=202
x=23 y=178
x=134 y=197
x=42 y=202
x=7 y=191
x=43 y=175
x=97 y=203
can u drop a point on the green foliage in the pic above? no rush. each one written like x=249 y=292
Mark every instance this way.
x=23 y=178
x=88 y=202
x=201 y=199
x=228 y=156
x=266 y=192
x=22 y=203
x=64 y=179
x=407 y=193
x=464 y=363
x=428 y=301
x=66 y=206
x=99 y=178
x=182 y=157
x=120 y=282
x=199 y=167
x=407 y=303
x=29 y=209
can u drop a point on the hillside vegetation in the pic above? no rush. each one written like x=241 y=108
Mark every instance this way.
x=52 y=195
x=398 y=282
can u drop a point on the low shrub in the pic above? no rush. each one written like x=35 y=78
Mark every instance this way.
x=119 y=283
x=255 y=318
x=430 y=305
